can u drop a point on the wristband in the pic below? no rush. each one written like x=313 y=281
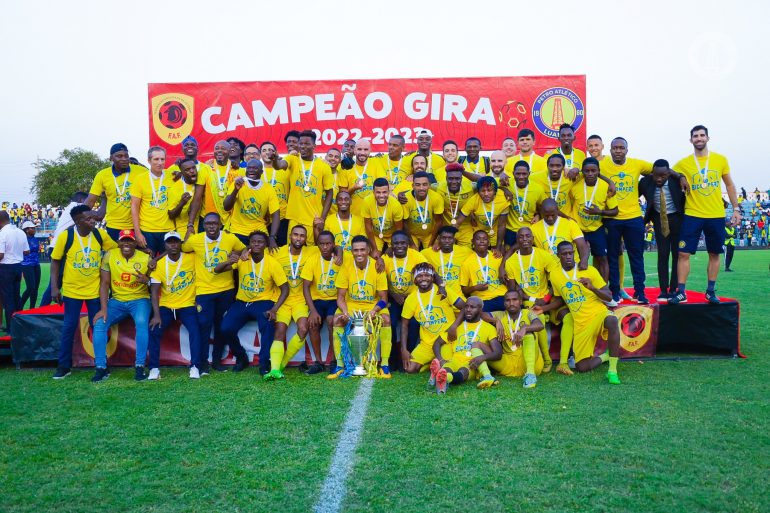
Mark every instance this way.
x=381 y=304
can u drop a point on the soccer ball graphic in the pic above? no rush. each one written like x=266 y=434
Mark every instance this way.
x=632 y=325
x=172 y=114
x=512 y=114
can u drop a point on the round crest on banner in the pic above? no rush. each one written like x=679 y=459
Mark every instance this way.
x=556 y=106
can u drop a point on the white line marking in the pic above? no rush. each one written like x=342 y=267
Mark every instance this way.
x=334 y=490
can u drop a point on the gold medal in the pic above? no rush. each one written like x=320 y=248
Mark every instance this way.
x=221 y=193
x=521 y=219
x=381 y=236
x=424 y=226
x=361 y=183
x=454 y=221
x=468 y=354
x=307 y=188
x=491 y=232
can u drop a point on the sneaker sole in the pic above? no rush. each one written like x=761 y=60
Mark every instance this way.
x=62 y=377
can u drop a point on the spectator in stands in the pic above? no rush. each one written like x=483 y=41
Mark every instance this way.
x=30 y=266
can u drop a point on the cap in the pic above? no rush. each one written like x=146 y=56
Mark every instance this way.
x=126 y=234
x=425 y=131
x=172 y=235
x=27 y=224
x=118 y=147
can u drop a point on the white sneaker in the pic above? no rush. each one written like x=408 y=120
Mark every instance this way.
x=154 y=374
x=194 y=373
x=611 y=303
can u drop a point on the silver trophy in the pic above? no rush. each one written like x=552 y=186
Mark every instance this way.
x=358 y=338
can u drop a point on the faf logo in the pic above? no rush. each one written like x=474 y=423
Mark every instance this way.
x=172 y=116
x=556 y=106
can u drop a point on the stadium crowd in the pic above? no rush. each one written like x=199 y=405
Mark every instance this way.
x=467 y=257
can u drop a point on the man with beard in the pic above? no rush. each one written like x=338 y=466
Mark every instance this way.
x=343 y=224
x=181 y=197
x=448 y=258
x=383 y=215
x=537 y=164
x=423 y=211
x=217 y=182
x=456 y=190
x=360 y=178
x=527 y=196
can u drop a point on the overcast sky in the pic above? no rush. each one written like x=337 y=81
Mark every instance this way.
x=76 y=72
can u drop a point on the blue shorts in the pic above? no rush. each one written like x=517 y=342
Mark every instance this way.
x=713 y=228
x=597 y=240
x=496 y=304
x=325 y=307
x=510 y=237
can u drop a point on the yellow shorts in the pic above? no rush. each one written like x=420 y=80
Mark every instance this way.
x=512 y=364
x=310 y=241
x=458 y=362
x=423 y=353
x=553 y=316
x=424 y=240
x=584 y=340
x=291 y=312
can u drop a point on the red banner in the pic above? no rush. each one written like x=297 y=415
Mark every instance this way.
x=490 y=108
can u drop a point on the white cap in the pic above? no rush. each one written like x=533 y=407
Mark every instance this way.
x=27 y=224
x=171 y=235
x=425 y=131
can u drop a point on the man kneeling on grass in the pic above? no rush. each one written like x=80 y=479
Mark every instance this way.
x=585 y=293
x=467 y=335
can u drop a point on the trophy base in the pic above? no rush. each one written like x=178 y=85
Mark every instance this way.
x=359 y=371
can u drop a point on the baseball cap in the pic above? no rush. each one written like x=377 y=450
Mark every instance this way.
x=126 y=234
x=172 y=235
x=27 y=224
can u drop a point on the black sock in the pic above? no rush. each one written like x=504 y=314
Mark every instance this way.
x=457 y=378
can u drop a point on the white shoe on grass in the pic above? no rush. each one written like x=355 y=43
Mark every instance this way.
x=194 y=373
x=154 y=374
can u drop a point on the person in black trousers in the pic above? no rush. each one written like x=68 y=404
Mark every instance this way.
x=666 y=221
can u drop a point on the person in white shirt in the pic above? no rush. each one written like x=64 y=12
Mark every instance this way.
x=13 y=247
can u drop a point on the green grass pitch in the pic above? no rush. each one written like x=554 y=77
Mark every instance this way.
x=688 y=435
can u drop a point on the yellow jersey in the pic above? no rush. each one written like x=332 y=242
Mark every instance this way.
x=344 y=229
x=582 y=195
x=582 y=303
x=548 y=237
x=117 y=189
x=557 y=190
x=383 y=218
x=626 y=179
x=467 y=334
x=322 y=275
x=435 y=161
x=479 y=167
x=486 y=215
x=537 y=164
x=292 y=268
x=531 y=271
x=280 y=181
x=177 y=281
x=217 y=180
x=705 y=180
x=525 y=204
x=399 y=271
x=394 y=170
x=259 y=281
x=361 y=285
x=477 y=270
x=422 y=213
x=448 y=265
x=309 y=180
x=573 y=160
x=512 y=324
x=434 y=314
x=362 y=174
x=253 y=208
x=209 y=254
x=83 y=261
x=339 y=181
x=453 y=204
x=154 y=193
x=123 y=282
x=174 y=197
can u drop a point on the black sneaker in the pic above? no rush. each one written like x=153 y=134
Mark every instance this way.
x=728 y=270
x=203 y=368
x=663 y=297
x=100 y=375
x=303 y=367
x=642 y=299
x=139 y=374
x=217 y=366
x=711 y=297
x=315 y=368
x=61 y=373
x=677 y=299
x=240 y=364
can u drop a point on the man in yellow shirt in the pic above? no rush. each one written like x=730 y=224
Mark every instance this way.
x=150 y=203
x=278 y=176
x=115 y=184
x=214 y=291
x=553 y=229
x=194 y=220
x=525 y=204
x=383 y=215
x=489 y=210
x=448 y=258
x=521 y=355
x=591 y=203
x=123 y=293
x=218 y=180
x=704 y=211
x=595 y=147
x=556 y=184
x=75 y=263
x=472 y=162
x=250 y=202
x=450 y=156
x=333 y=158
x=423 y=211
x=424 y=147
x=361 y=290
x=181 y=197
x=573 y=157
x=392 y=164
x=343 y=224
x=479 y=274
x=526 y=144
x=456 y=190
x=319 y=286
x=585 y=294
x=360 y=178
x=262 y=289
x=172 y=288
x=508 y=147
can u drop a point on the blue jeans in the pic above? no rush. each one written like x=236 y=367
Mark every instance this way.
x=71 y=323
x=237 y=316
x=211 y=310
x=139 y=311
x=189 y=318
x=631 y=231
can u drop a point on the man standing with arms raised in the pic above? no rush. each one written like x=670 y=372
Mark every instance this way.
x=704 y=211
x=360 y=178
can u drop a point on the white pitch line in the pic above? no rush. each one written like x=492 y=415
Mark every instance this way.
x=334 y=490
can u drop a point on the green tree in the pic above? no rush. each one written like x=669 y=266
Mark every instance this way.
x=74 y=170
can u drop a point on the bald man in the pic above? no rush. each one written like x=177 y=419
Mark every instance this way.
x=360 y=178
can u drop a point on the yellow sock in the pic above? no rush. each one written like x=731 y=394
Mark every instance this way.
x=337 y=342
x=542 y=342
x=604 y=357
x=295 y=344
x=483 y=367
x=529 y=349
x=449 y=377
x=386 y=344
x=276 y=355
x=614 y=364
x=567 y=330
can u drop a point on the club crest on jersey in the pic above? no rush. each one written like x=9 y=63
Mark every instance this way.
x=573 y=295
x=556 y=106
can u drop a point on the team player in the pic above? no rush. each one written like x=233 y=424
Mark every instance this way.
x=291 y=139
x=456 y=190
x=123 y=293
x=172 y=288
x=552 y=229
x=508 y=147
x=472 y=162
x=467 y=359
x=525 y=202
x=488 y=210
x=311 y=185
x=278 y=177
x=361 y=290
x=383 y=215
x=361 y=177
x=423 y=211
x=150 y=203
x=250 y=201
x=319 y=286
x=521 y=355
x=573 y=157
x=585 y=292
x=526 y=142
x=424 y=145
x=343 y=224
x=115 y=184
x=479 y=274
x=262 y=289
x=556 y=183
x=450 y=155
x=392 y=165
x=214 y=291
x=75 y=260
x=595 y=147
x=333 y=157
x=202 y=170
x=181 y=197
x=447 y=258
x=591 y=203
x=704 y=211
x=218 y=180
